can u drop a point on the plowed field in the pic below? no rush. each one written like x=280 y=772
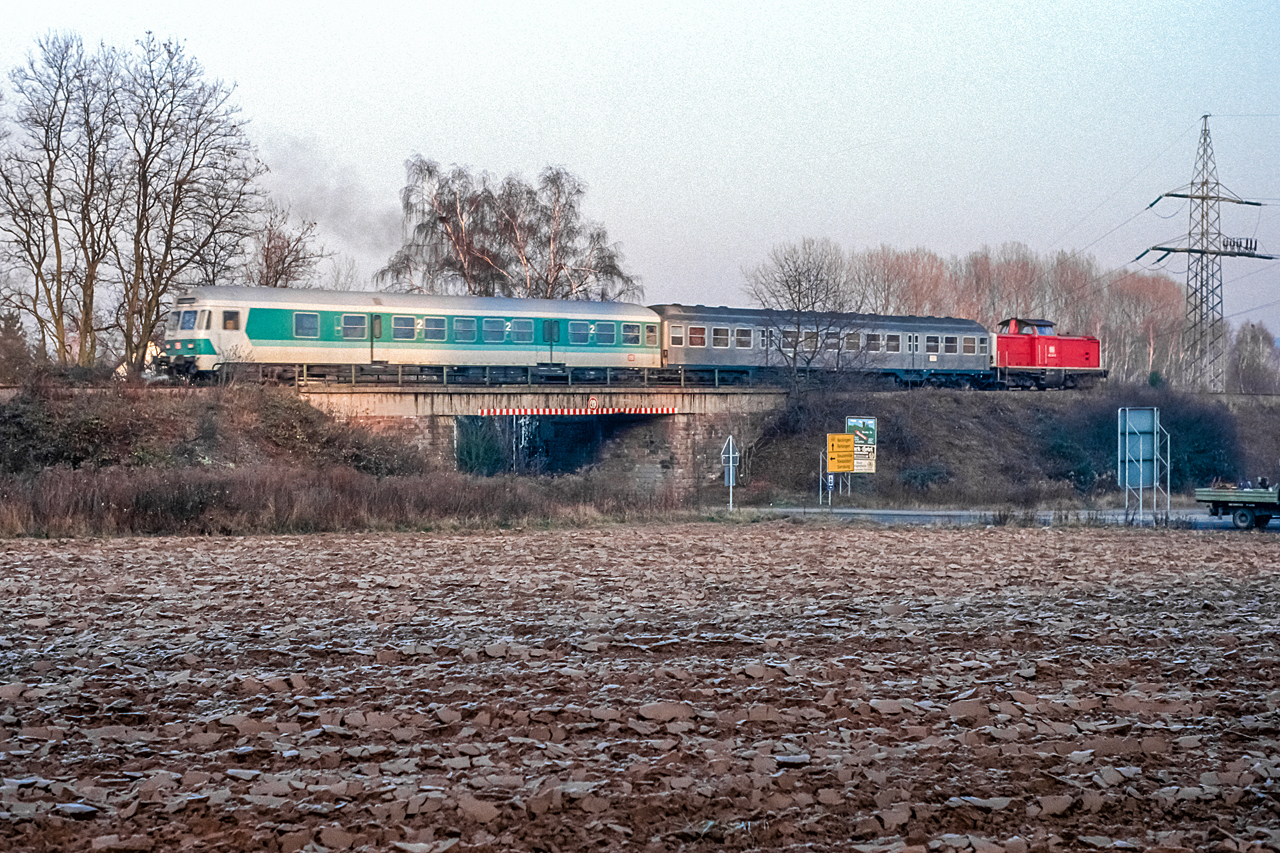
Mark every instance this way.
x=770 y=686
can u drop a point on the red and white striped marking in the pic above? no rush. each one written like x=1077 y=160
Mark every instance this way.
x=630 y=410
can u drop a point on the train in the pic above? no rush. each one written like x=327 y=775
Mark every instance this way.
x=303 y=335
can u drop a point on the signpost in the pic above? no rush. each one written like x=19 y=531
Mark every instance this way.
x=850 y=452
x=729 y=459
x=864 y=433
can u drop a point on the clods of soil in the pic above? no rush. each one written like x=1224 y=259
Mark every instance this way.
x=767 y=686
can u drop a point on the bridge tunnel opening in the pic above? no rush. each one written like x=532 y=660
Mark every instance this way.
x=535 y=444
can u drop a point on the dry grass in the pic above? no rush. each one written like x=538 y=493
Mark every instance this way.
x=273 y=499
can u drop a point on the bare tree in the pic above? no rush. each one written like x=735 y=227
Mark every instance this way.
x=807 y=288
x=282 y=255
x=122 y=176
x=1253 y=364
x=464 y=234
x=341 y=274
x=191 y=189
x=60 y=179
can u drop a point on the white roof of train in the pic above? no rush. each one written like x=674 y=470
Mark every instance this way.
x=306 y=299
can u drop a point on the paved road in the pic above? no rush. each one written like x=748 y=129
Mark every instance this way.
x=1193 y=518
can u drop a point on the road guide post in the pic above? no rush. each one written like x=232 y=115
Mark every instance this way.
x=729 y=459
x=850 y=452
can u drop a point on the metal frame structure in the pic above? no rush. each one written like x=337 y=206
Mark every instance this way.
x=1142 y=461
x=1205 y=333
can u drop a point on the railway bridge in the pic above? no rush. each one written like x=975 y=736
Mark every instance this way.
x=657 y=438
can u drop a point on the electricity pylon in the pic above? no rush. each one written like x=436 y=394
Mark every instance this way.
x=1205 y=334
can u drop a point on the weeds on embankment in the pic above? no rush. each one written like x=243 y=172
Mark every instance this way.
x=62 y=502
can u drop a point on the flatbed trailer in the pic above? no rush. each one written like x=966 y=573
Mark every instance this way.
x=1247 y=507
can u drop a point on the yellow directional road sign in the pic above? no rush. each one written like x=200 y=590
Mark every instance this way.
x=841 y=453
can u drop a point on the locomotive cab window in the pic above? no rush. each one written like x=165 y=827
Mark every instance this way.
x=697 y=336
x=172 y=323
x=606 y=334
x=306 y=325
x=631 y=334
x=403 y=329
x=950 y=344
x=231 y=321
x=354 y=326
x=522 y=331
x=188 y=322
x=433 y=329
x=495 y=330
x=893 y=343
x=464 y=330
x=677 y=336
x=742 y=338
x=720 y=338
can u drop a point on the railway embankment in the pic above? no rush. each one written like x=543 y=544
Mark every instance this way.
x=127 y=460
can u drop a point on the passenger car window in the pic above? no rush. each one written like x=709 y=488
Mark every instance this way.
x=742 y=338
x=231 y=321
x=464 y=330
x=433 y=329
x=579 y=332
x=697 y=336
x=495 y=330
x=402 y=329
x=853 y=341
x=970 y=345
x=893 y=343
x=306 y=325
x=677 y=336
x=650 y=335
x=950 y=344
x=353 y=326
x=631 y=334
x=720 y=337
x=606 y=334
x=873 y=342
x=522 y=331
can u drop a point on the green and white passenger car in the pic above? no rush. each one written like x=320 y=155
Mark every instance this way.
x=212 y=328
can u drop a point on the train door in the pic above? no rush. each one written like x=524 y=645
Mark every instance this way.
x=375 y=335
x=913 y=349
x=550 y=337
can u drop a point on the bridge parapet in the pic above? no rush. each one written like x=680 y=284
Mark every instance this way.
x=361 y=402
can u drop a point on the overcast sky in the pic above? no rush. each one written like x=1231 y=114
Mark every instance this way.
x=708 y=132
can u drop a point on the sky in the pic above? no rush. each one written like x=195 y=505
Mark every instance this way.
x=710 y=132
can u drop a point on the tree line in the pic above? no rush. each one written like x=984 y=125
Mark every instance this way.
x=1139 y=317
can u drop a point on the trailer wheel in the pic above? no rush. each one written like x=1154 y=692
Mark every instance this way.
x=1243 y=518
x=1262 y=521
